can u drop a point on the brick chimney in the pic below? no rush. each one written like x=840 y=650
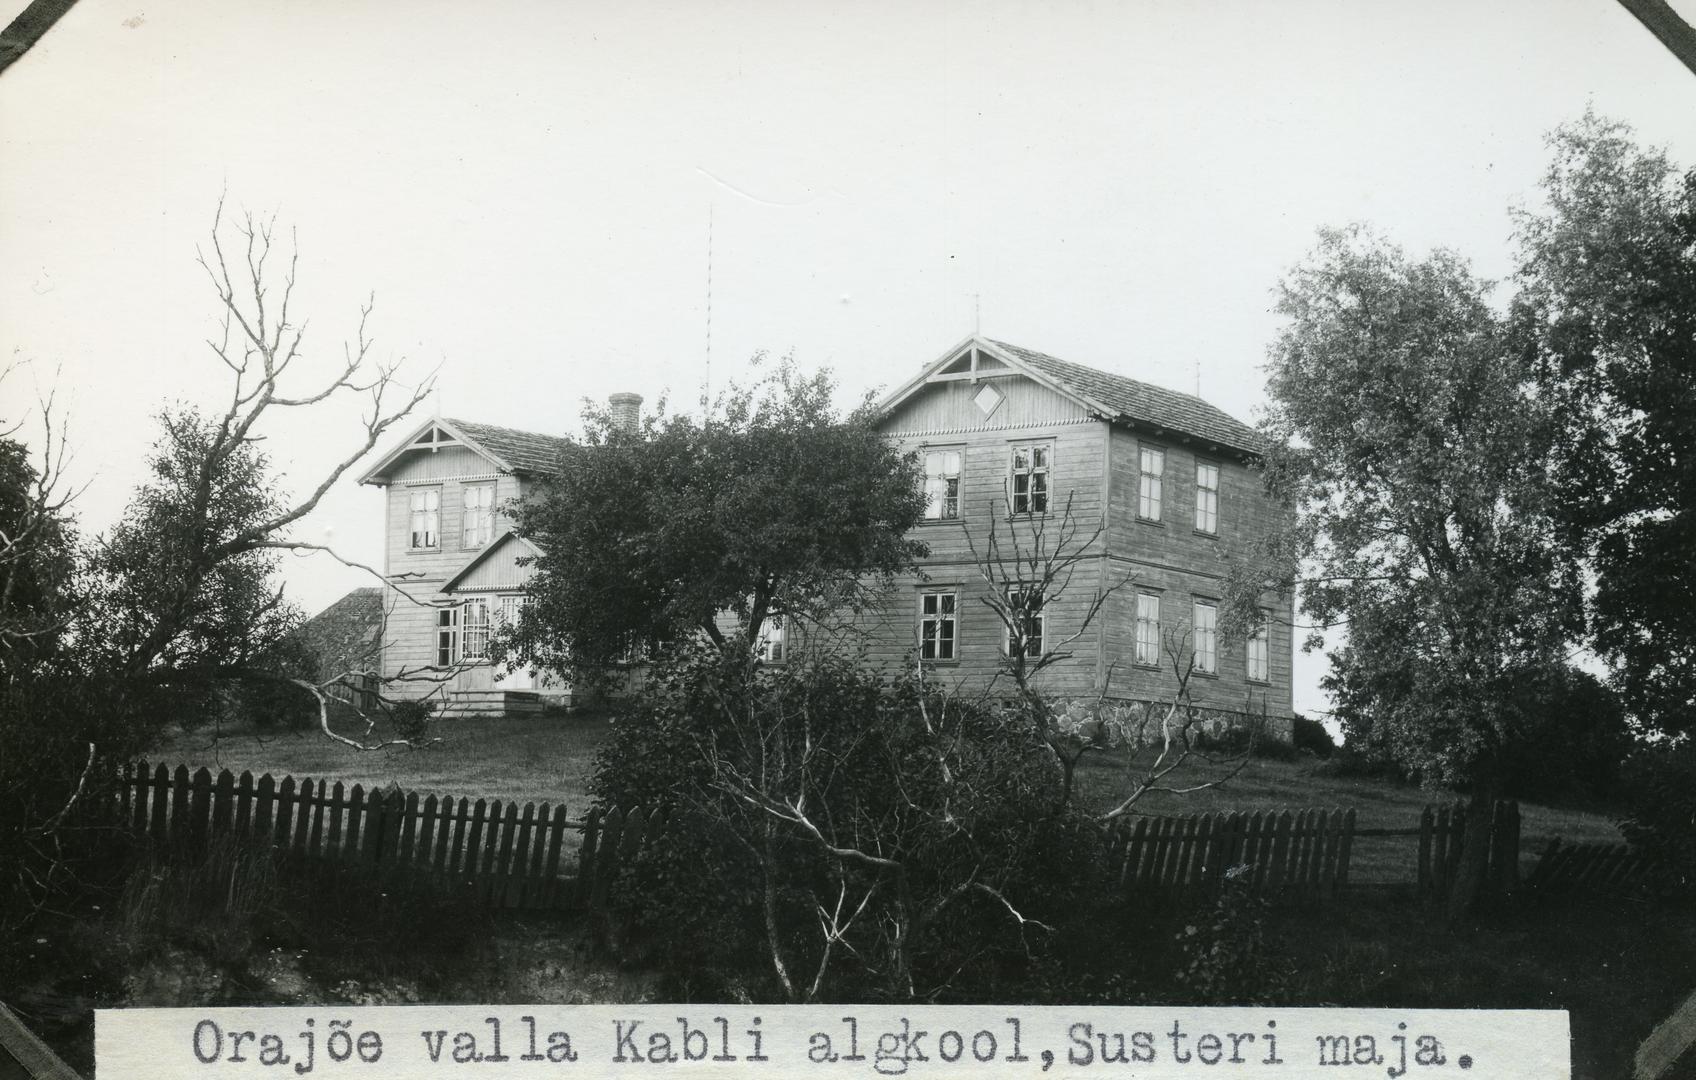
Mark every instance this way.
x=626 y=412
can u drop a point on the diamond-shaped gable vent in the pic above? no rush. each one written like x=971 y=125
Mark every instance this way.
x=987 y=399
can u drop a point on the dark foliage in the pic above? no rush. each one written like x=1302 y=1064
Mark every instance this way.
x=1311 y=737
x=1607 y=309
x=947 y=810
x=773 y=505
x=1661 y=817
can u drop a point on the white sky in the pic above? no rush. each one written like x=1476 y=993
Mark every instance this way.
x=526 y=188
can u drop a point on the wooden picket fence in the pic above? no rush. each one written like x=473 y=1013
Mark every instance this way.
x=1297 y=854
x=1609 y=869
x=533 y=857
x=1302 y=853
x=1442 y=832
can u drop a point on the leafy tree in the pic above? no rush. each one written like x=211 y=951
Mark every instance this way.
x=38 y=563
x=1411 y=443
x=772 y=505
x=1607 y=311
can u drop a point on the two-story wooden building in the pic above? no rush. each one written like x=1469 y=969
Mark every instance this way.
x=1159 y=484
x=452 y=562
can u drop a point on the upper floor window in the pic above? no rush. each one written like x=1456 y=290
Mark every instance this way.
x=425 y=526
x=477 y=524
x=1030 y=479
x=1148 y=629
x=771 y=644
x=1206 y=497
x=937 y=626
x=1151 y=464
x=942 y=485
x=1206 y=637
x=1260 y=650
x=1025 y=612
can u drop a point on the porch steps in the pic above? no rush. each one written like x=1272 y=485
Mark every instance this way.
x=464 y=704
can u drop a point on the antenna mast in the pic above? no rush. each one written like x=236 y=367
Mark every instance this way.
x=707 y=381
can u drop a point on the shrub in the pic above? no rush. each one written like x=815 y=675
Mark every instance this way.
x=962 y=847
x=410 y=719
x=1224 y=957
x=1311 y=736
x=1660 y=783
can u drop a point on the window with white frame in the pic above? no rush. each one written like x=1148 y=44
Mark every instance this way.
x=447 y=636
x=425 y=519
x=942 y=485
x=1024 y=611
x=511 y=609
x=1206 y=625
x=477 y=523
x=938 y=626
x=771 y=643
x=1260 y=650
x=474 y=626
x=1151 y=464
x=1030 y=479
x=1148 y=629
x=1206 y=497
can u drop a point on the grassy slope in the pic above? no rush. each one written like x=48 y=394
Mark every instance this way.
x=537 y=758
x=527 y=759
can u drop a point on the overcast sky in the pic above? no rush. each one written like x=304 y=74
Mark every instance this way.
x=527 y=189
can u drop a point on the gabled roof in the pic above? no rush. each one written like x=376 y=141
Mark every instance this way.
x=1116 y=398
x=503 y=540
x=522 y=451
x=509 y=449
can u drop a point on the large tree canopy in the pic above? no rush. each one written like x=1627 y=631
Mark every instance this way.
x=1413 y=450
x=1607 y=311
x=772 y=505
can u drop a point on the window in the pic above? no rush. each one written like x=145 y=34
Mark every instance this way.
x=1152 y=464
x=1206 y=497
x=1206 y=637
x=512 y=609
x=1148 y=629
x=770 y=645
x=426 y=519
x=1025 y=611
x=936 y=626
x=474 y=630
x=447 y=636
x=942 y=485
x=1260 y=651
x=1030 y=479
x=477 y=523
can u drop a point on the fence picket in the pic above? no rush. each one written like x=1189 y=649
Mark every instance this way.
x=244 y=802
x=357 y=809
x=473 y=846
x=550 y=871
x=303 y=814
x=264 y=803
x=444 y=834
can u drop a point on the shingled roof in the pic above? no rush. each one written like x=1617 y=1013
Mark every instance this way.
x=523 y=451
x=1142 y=403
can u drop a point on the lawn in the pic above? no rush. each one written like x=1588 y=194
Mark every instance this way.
x=551 y=758
x=527 y=759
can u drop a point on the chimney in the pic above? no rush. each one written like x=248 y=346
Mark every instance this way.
x=626 y=412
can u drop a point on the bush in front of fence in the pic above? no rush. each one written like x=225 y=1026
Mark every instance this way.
x=852 y=835
x=229 y=899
